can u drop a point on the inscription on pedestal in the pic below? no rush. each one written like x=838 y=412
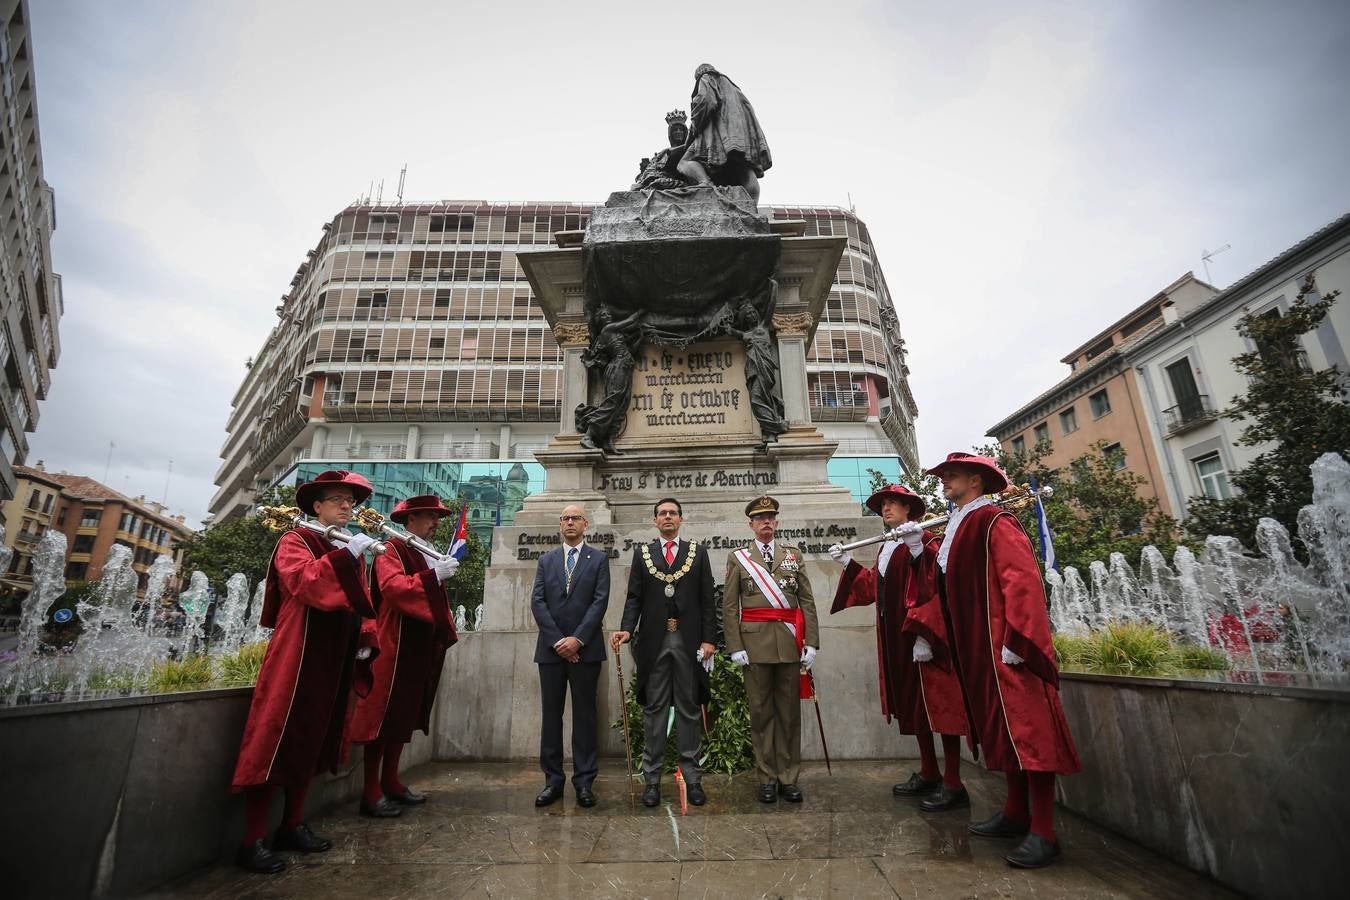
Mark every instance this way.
x=691 y=396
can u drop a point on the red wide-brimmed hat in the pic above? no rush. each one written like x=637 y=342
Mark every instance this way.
x=901 y=493
x=423 y=503
x=307 y=493
x=994 y=479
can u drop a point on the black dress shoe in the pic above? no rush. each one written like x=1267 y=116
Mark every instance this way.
x=999 y=826
x=255 y=857
x=1034 y=852
x=652 y=795
x=944 y=799
x=550 y=794
x=917 y=786
x=409 y=797
x=585 y=798
x=792 y=793
x=768 y=793
x=300 y=838
x=696 y=795
x=383 y=808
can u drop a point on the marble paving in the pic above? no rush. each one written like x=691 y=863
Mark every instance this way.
x=480 y=835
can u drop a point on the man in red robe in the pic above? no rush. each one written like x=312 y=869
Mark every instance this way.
x=315 y=592
x=414 y=630
x=1000 y=643
x=923 y=697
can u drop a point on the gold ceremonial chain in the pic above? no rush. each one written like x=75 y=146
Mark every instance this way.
x=674 y=577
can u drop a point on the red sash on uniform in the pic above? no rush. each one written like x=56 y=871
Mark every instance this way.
x=792 y=616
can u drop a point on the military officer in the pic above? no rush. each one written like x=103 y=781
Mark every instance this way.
x=769 y=617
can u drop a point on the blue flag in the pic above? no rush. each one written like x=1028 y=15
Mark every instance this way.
x=1043 y=533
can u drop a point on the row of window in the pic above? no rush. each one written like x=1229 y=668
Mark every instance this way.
x=1099 y=404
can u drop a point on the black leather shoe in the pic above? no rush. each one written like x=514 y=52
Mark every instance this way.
x=383 y=808
x=652 y=795
x=1034 y=852
x=792 y=793
x=550 y=794
x=696 y=795
x=255 y=857
x=999 y=826
x=917 y=786
x=768 y=793
x=409 y=797
x=944 y=799
x=585 y=798
x=300 y=838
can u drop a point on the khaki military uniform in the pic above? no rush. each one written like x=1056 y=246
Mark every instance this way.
x=772 y=680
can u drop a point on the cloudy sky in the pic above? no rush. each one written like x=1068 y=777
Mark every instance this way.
x=1029 y=171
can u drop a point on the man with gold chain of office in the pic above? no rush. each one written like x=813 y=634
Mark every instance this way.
x=769 y=617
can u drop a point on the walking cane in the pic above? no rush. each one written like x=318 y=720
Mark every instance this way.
x=627 y=739
x=815 y=699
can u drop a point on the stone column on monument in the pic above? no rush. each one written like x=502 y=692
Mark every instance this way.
x=791 y=329
x=318 y=442
x=573 y=338
x=412 y=442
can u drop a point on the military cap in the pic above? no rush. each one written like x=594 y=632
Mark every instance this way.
x=761 y=505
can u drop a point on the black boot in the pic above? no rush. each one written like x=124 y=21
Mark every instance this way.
x=999 y=826
x=300 y=838
x=255 y=857
x=944 y=799
x=768 y=793
x=1035 y=852
x=917 y=786
x=652 y=795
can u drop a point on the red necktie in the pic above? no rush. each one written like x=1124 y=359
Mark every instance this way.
x=670 y=553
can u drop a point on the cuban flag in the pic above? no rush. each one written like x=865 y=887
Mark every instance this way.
x=460 y=545
x=1043 y=534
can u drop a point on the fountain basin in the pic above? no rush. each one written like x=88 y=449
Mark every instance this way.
x=112 y=797
x=1244 y=782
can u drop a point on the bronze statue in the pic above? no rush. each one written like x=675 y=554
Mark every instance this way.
x=612 y=353
x=761 y=366
x=659 y=172
x=726 y=145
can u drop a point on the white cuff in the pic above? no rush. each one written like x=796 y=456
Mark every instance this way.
x=1010 y=658
x=923 y=651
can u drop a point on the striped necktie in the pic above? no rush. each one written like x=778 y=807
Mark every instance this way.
x=571 y=565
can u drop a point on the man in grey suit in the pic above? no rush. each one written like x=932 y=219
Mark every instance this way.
x=571 y=593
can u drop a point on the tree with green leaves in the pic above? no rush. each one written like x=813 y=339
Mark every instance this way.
x=466 y=588
x=1295 y=411
x=1095 y=509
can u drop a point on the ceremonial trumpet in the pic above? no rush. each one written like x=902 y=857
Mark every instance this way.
x=1016 y=497
x=372 y=520
x=281 y=518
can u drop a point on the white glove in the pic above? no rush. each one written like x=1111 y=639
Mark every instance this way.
x=838 y=554
x=923 y=651
x=358 y=543
x=708 y=665
x=1010 y=658
x=445 y=568
x=912 y=534
x=741 y=658
x=364 y=653
x=808 y=657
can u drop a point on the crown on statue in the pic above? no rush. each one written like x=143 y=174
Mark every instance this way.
x=675 y=117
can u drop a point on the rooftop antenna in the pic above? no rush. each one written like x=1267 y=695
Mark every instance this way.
x=850 y=202
x=403 y=174
x=167 y=478
x=1207 y=255
x=370 y=190
x=107 y=467
x=380 y=195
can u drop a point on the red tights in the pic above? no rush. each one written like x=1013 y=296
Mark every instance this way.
x=381 y=767
x=258 y=803
x=951 y=758
x=1032 y=795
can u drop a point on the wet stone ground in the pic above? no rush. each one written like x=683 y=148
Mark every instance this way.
x=479 y=835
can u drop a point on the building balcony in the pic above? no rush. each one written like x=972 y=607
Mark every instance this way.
x=366 y=450
x=459 y=450
x=1191 y=414
x=902 y=436
x=839 y=406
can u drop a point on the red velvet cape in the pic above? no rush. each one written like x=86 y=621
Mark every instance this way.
x=922 y=697
x=996 y=599
x=313 y=596
x=414 y=629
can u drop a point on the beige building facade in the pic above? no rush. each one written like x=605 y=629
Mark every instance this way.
x=1101 y=399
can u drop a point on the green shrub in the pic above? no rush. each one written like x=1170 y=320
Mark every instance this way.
x=192 y=673
x=1202 y=659
x=115 y=680
x=240 y=668
x=1069 y=650
x=1130 y=649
